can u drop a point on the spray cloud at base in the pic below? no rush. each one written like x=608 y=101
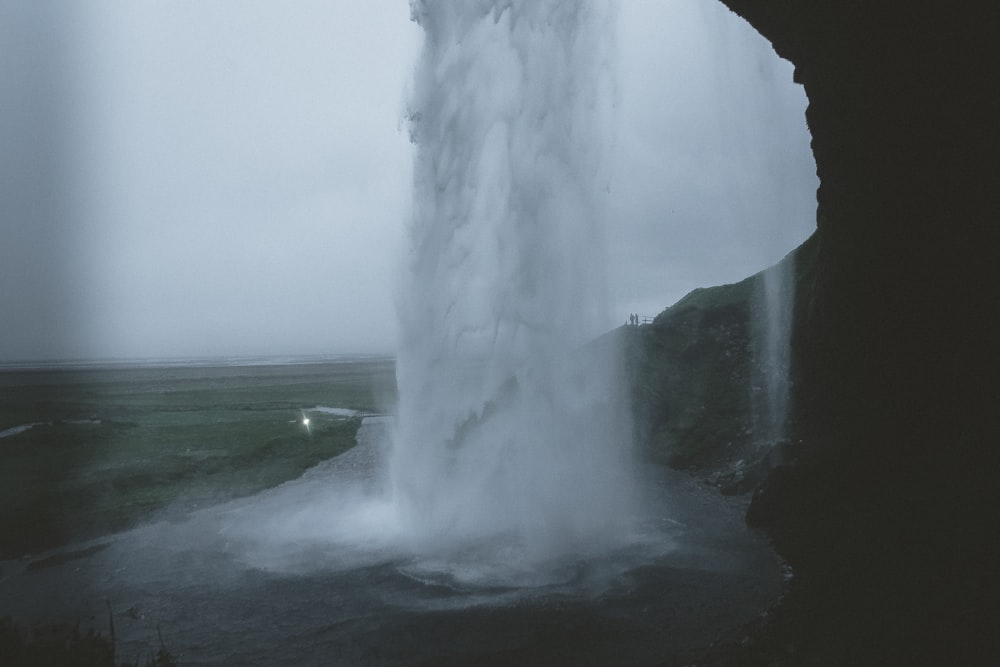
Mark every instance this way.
x=509 y=433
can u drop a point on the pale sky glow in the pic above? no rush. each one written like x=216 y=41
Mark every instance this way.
x=186 y=178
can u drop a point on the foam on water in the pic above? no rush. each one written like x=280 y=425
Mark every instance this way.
x=20 y=428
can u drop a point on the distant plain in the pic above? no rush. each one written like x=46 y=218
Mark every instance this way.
x=86 y=451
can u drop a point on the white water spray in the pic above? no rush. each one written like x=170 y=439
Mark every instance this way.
x=773 y=303
x=509 y=435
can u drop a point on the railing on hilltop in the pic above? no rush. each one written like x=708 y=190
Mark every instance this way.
x=635 y=320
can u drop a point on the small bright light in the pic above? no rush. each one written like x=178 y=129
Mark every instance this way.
x=305 y=421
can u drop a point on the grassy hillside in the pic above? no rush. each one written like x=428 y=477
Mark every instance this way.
x=108 y=448
x=696 y=375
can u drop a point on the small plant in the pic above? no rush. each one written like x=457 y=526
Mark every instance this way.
x=63 y=645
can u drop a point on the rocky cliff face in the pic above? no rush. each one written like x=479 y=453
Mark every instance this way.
x=890 y=515
x=699 y=376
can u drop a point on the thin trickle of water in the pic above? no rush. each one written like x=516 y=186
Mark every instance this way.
x=505 y=431
x=772 y=343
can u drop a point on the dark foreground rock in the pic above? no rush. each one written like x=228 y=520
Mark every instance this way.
x=884 y=500
x=889 y=513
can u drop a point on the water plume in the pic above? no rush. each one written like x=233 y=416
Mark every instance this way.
x=774 y=347
x=511 y=438
x=772 y=306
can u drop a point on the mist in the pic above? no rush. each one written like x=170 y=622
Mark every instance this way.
x=225 y=179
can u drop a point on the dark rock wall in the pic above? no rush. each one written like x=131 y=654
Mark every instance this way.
x=892 y=516
x=903 y=105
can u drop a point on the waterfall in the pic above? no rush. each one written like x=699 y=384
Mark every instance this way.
x=773 y=303
x=508 y=431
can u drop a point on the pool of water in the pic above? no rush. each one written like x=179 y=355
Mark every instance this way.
x=313 y=573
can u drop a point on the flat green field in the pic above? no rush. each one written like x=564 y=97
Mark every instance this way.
x=89 y=451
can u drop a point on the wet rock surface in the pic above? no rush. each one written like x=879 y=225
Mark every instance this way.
x=883 y=513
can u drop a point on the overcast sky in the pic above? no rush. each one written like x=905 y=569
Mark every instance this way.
x=231 y=177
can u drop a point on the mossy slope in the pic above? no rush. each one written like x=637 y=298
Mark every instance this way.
x=696 y=378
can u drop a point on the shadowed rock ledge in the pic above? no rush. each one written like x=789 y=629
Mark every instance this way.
x=888 y=514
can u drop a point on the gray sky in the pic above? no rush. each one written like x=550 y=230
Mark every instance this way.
x=182 y=178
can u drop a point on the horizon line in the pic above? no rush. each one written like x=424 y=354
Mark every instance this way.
x=192 y=361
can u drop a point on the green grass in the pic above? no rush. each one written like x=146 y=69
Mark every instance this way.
x=689 y=373
x=115 y=447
